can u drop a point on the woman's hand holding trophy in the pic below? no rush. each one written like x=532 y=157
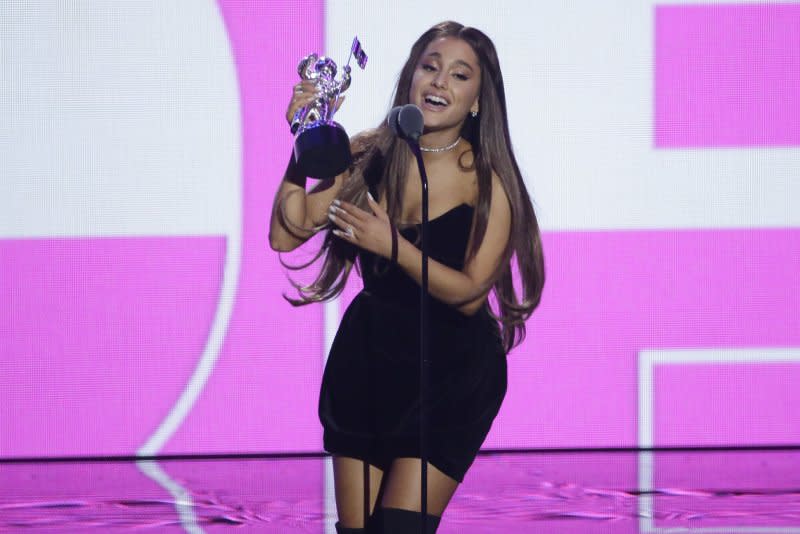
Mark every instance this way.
x=322 y=147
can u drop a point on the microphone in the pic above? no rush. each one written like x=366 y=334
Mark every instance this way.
x=406 y=122
x=410 y=122
x=391 y=120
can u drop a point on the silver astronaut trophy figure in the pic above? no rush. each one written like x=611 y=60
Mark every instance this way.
x=321 y=145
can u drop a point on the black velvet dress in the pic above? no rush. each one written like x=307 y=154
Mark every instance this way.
x=369 y=400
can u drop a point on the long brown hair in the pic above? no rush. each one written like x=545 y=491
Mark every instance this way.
x=381 y=164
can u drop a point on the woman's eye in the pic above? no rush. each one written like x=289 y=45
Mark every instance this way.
x=462 y=77
x=428 y=67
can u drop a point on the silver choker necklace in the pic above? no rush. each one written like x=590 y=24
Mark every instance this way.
x=451 y=146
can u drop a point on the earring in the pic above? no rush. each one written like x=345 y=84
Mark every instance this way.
x=474 y=113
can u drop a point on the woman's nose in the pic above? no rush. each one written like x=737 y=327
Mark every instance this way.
x=440 y=81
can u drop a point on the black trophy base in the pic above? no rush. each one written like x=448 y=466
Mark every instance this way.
x=323 y=151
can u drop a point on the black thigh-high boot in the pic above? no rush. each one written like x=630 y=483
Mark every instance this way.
x=343 y=530
x=397 y=521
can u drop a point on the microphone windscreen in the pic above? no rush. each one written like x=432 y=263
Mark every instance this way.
x=410 y=122
x=392 y=119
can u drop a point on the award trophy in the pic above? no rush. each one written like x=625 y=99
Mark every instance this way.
x=321 y=146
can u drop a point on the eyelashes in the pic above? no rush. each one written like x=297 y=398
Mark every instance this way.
x=458 y=75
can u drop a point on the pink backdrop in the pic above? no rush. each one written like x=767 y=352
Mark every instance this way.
x=99 y=336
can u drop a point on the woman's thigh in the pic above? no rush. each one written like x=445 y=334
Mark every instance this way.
x=357 y=484
x=401 y=488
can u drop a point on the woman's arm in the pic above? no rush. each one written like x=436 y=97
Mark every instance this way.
x=452 y=286
x=301 y=211
x=294 y=224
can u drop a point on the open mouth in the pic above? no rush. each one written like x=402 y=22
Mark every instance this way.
x=437 y=101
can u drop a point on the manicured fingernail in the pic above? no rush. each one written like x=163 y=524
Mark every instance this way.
x=336 y=202
x=370 y=196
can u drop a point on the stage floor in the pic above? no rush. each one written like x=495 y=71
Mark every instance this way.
x=616 y=491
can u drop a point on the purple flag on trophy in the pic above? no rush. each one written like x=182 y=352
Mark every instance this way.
x=358 y=53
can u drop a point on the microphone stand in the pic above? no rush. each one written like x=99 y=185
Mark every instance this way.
x=409 y=127
x=423 y=337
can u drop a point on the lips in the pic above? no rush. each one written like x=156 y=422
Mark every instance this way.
x=434 y=102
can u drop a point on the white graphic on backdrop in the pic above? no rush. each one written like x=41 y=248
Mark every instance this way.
x=108 y=111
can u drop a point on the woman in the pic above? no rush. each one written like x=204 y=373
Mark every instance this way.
x=480 y=217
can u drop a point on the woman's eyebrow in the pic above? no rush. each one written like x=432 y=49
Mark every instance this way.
x=438 y=56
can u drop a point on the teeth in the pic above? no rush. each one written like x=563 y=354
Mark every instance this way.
x=436 y=100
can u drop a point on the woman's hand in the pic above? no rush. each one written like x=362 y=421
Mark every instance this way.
x=370 y=231
x=304 y=93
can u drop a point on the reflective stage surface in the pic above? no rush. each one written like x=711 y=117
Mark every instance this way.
x=703 y=491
